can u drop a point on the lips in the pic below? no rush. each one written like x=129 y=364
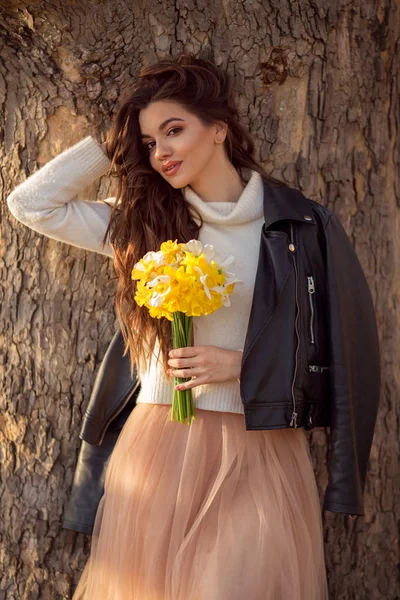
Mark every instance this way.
x=170 y=163
x=171 y=168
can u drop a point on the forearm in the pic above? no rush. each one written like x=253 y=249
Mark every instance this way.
x=46 y=202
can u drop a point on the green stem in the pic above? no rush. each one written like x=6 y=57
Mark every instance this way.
x=182 y=403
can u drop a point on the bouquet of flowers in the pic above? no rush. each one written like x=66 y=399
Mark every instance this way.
x=179 y=282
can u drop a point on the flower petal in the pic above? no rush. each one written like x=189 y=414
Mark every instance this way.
x=158 y=279
x=193 y=246
x=227 y=262
x=208 y=252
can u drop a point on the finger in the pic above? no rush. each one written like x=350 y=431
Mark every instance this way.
x=189 y=384
x=183 y=363
x=183 y=373
x=186 y=351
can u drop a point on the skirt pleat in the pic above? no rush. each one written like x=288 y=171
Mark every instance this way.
x=210 y=511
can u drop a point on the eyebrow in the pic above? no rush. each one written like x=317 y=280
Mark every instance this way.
x=163 y=124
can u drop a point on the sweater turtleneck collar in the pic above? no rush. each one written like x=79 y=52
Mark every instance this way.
x=248 y=207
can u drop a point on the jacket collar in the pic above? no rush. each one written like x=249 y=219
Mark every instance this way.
x=282 y=202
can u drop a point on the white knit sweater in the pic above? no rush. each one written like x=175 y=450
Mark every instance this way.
x=46 y=202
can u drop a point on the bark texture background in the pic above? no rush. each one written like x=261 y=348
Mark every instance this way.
x=318 y=87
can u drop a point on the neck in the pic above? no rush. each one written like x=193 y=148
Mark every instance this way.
x=220 y=182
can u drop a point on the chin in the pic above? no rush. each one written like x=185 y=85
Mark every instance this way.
x=178 y=183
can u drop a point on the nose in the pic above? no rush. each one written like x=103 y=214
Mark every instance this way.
x=161 y=151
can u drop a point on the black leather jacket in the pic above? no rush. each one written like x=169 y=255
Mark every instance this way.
x=311 y=355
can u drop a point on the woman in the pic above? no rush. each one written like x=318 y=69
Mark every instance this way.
x=214 y=510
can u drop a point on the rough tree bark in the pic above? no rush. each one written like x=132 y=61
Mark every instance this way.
x=318 y=87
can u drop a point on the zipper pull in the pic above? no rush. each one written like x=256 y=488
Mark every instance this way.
x=317 y=368
x=311 y=287
x=293 y=422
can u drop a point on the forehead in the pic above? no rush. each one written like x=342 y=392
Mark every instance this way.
x=156 y=112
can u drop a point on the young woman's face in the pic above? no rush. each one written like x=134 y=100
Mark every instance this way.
x=172 y=134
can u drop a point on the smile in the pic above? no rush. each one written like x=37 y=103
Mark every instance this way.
x=173 y=170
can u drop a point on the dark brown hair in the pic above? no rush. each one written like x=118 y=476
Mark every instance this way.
x=148 y=210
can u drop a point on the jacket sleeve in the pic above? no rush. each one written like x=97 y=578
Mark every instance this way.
x=355 y=372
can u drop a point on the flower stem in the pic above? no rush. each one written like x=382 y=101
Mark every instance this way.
x=182 y=402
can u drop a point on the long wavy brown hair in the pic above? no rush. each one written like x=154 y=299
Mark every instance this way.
x=147 y=210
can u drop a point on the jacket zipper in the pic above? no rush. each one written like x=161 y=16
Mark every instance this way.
x=311 y=291
x=114 y=415
x=317 y=368
x=293 y=421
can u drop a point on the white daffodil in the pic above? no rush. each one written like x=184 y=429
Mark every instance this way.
x=139 y=266
x=227 y=262
x=230 y=278
x=203 y=279
x=158 y=257
x=158 y=297
x=209 y=252
x=156 y=300
x=193 y=246
x=159 y=279
x=197 y=248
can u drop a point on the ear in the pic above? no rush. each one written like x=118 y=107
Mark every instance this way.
x=221 y=128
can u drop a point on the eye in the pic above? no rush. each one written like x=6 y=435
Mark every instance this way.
x=172 y=129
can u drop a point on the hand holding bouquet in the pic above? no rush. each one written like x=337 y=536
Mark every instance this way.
x=179 y=282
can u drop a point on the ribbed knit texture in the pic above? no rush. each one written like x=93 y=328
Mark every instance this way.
x=46 y=202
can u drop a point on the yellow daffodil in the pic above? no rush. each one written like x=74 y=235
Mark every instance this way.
x=170 y=247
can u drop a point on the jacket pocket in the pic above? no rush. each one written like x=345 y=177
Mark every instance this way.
x=312 y=312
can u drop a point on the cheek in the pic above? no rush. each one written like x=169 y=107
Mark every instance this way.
x=184 y=146
x=199 y=150
x=155 y=164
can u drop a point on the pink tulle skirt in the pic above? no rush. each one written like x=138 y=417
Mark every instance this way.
x=206 y=512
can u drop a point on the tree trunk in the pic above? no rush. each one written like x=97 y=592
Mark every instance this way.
x=318 y=86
